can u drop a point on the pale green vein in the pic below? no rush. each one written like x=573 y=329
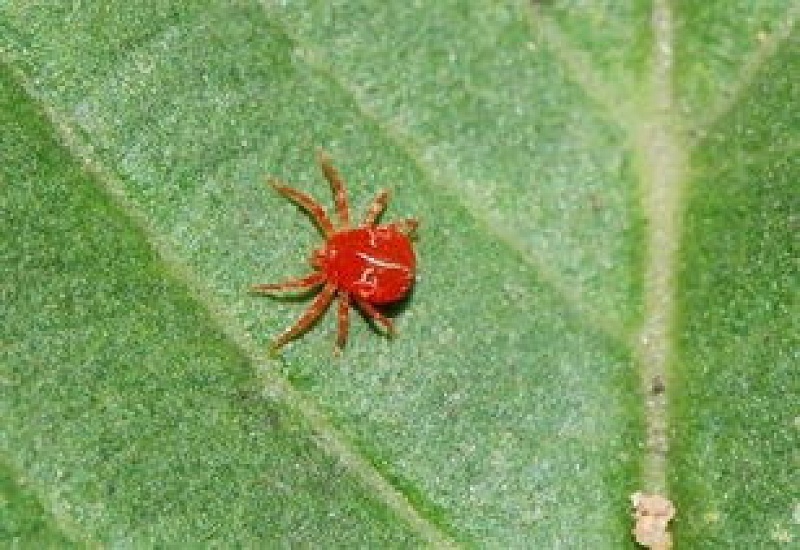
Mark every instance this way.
x=330 y=440
x=617 y=111
x=49 y=521
x=662 y=170
x=769 y=45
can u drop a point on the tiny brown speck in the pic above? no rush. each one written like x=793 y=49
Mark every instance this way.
x=658 y=387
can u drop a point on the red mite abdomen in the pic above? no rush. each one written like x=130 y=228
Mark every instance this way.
x=376 y=264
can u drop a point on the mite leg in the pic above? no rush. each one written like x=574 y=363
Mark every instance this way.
x=408 y=226
x=314 y=311
x=300 y=283
x=376 y=315
x=376 y=207
x=337 y=186
x=344 y=321
x=307 y=203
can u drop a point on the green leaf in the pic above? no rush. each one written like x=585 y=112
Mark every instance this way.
x=608 y=289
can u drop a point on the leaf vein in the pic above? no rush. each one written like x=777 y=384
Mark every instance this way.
x=330 y=440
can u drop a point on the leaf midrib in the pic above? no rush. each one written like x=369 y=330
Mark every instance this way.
x=663 y=148
x=664 y=159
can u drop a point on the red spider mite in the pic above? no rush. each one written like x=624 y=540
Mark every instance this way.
x=366 y=266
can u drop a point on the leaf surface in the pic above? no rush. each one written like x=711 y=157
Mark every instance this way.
x=607 y=299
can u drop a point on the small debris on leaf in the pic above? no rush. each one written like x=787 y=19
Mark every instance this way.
x=652 y=514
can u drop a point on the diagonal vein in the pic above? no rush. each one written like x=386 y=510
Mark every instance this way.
x=767 y=48
x=329 y=439
x=580 y=69
x=572 y=298
x=15 y=485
